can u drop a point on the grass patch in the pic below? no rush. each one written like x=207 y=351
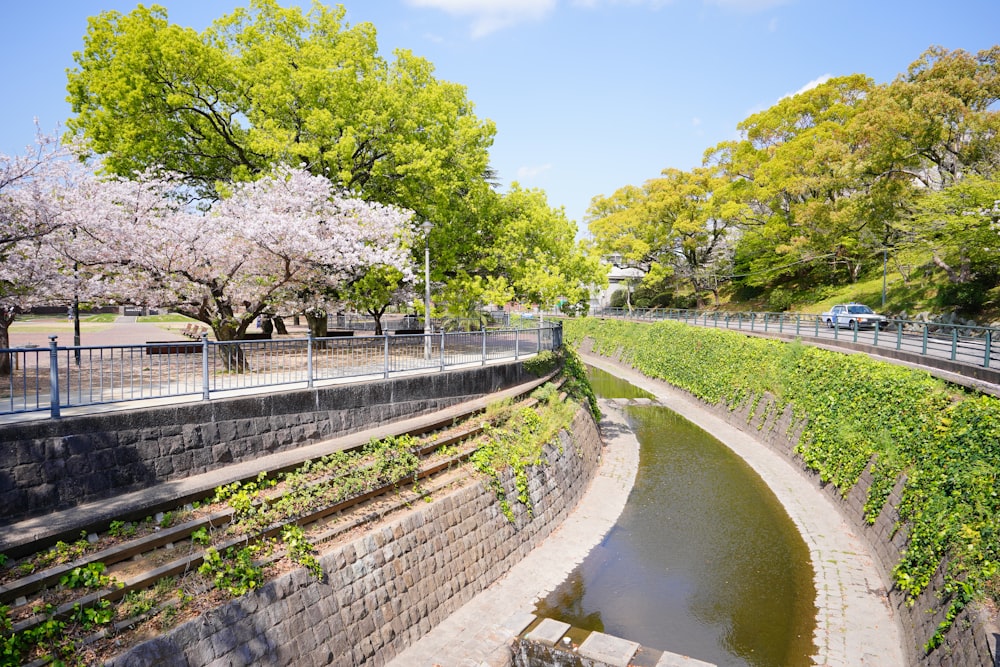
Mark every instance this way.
x=168 y=317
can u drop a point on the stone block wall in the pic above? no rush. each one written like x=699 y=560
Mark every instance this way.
x=968 y=641
x=385 y=590
x=55 y=464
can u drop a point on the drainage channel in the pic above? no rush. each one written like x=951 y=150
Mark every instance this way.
x=704 y=561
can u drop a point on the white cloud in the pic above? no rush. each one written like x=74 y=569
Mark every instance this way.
x=593 y=4
x=748 y=5
x=696 y=121
x=818 y=81
x=489 y=16
x=527 y=173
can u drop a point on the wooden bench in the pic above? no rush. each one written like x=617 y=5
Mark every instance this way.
x=192 y=330
x=256 y=336
x=408 y=332
x=172 y=347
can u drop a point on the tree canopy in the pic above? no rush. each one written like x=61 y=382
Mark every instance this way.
x=824 y=182
x=267 y=85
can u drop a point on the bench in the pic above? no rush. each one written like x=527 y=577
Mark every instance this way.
x=256 y=336
x=338 y=332
x=171 y=347
x=194 y=331
x=408 y=332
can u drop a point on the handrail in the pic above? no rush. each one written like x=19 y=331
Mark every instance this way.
x=55 y=377
x=960 y=343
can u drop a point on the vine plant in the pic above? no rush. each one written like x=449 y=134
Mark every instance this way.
x=944 y=441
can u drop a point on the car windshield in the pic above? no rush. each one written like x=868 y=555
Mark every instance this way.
x=860 y=310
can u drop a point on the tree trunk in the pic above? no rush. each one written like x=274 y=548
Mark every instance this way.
x=233 y=357
x=5 y=357
x=377 y=314
x=317 y=324
x=953 y=276
x=279 y=325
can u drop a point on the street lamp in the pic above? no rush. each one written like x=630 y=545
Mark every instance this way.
x=426 y=227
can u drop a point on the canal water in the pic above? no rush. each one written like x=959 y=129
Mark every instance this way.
x=704 y=561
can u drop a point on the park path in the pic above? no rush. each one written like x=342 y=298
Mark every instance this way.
x=124 y=331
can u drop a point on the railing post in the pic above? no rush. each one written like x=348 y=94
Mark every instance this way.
x=954 y=343
x=53 y=378
x=385 y=347
x=899 y=334
x=309 y=359
x=442 y=349
x=798 y=323
x=517 y=345
x=204 y=367
x=482 y=332
x=875 y=337
x=989 y=345
x=538 y=348
x=924 y=341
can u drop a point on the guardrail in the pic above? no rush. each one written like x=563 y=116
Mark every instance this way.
x=972 y=345
x=56 y=377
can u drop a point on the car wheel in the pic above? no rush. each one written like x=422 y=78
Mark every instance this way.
x=829 y=324
x=853 y=324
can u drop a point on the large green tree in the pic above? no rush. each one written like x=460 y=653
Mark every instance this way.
x=794 y=170
x=268 y=84
x=679 y=224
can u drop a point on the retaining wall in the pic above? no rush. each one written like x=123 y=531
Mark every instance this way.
x=56 y=464
x=383 y=591
x=971 y=641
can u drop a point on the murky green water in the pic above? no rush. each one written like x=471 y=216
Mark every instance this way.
x=704 y=561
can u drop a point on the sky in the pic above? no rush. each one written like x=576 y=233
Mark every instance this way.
x=587 y=96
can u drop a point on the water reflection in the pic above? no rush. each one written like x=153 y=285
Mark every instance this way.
x=704 y=561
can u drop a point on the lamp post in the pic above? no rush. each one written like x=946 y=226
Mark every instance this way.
x=885 y=268
x=426 y=227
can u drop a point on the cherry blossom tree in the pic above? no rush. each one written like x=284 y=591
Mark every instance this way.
x=31 y=271
x=264 y=244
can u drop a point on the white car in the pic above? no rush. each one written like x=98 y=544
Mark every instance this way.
x=853 y=316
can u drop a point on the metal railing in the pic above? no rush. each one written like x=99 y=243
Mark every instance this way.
x=972 y=345
x=57 y=377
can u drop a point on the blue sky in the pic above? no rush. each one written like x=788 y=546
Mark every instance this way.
x=587 y=95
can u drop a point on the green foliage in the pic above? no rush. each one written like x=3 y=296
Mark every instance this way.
x=542 y=363
x=577 y=384
x=300 y=550
x=857 y=409
x=236 y=574
x=201 y=537
x=137 y=603
x=286 y=86
x=89 y=576
x=122 y=529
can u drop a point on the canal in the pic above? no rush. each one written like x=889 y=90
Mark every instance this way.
x=704 y=561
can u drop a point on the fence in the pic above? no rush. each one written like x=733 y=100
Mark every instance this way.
x=972 y=345
x=56 y=377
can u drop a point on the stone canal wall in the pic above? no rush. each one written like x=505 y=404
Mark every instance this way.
x=967 y=643
x=52 y=465
x=382 y=591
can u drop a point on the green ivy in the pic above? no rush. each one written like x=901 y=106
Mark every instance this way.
x=858 y=411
